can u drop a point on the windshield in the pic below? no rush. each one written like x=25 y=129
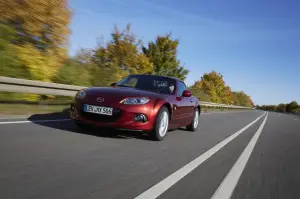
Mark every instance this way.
x=150 y=83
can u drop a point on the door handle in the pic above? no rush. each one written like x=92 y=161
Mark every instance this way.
x=191 y=100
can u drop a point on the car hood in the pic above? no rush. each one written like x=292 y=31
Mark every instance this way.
x=114 y=95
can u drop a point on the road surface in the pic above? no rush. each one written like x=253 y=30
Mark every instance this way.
x=238 y=155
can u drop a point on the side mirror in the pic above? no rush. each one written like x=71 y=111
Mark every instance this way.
x=113 y=84
x=186 y=93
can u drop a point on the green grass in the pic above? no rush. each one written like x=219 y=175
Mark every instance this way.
x=29 y=109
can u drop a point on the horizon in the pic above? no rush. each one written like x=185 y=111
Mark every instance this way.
x=254 y=49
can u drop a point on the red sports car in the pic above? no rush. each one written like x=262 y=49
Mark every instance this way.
x=146 y=103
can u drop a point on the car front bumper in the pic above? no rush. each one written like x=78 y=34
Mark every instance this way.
x=122 y=118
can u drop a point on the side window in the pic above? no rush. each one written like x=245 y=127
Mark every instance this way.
x=181 y=88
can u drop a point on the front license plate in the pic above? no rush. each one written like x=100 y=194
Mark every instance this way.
x=98 y=109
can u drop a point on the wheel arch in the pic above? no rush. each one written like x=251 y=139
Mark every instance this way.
x=160 y=103
x=199 y=108
x=169 y=107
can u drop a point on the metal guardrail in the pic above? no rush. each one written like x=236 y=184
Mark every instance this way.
x=15 y=85
x=8 y=84
x=211 y=104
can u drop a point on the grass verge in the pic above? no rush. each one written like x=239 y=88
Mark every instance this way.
x=29 y=109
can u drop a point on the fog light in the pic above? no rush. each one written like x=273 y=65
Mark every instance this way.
x=140 y=118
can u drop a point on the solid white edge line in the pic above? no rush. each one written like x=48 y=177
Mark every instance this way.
x=165 y=184
x=226 y=188
x=34 y=121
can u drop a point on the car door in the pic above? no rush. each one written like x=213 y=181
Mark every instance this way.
x=182 y=105
x=189 y=104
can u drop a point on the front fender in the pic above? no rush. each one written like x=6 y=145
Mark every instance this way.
x=160 y=103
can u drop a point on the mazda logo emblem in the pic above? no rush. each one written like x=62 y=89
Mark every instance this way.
x=100 y=99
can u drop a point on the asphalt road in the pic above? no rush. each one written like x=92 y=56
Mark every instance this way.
x=245 y=154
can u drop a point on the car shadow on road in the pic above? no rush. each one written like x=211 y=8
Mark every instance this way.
x=70 y=126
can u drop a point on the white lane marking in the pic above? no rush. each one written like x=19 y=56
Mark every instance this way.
x=165 y=184
x=34 y=121
x=14 y=117
x=229 y=183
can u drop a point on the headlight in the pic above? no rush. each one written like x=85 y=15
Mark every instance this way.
x=81 y=94
x=135 y=100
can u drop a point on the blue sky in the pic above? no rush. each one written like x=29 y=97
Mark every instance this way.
x=254 y=44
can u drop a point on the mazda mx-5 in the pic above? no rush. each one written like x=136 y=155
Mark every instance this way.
x=148 y=103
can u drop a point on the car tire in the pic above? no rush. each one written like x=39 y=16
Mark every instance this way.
x=195 y=123
x=161 y=126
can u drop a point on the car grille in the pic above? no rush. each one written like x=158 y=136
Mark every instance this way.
x=103 y=118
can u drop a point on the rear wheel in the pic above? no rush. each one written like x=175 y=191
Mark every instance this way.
x=194 y=125
x=161 y=124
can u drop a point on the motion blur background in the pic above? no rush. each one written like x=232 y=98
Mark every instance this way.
x=35 y=45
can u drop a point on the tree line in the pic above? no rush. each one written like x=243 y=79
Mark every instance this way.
x=292 y=107
x=34 y=45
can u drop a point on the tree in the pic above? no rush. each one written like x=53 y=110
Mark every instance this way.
x=291 y=106
x=73 y=72
x=10 y=65
x=226 y=95
x=163 y=54
x=42 y=33
x=199 y=94
x=84 y=56
x=281 y=108
x=213 y=85
x=108 y=62
x=242 y=99
x=121 y=56
x=124 y=51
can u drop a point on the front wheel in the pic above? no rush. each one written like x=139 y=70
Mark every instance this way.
x=194 y=125
x=161 y=124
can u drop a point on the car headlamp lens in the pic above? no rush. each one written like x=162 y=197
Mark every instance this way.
x=135 y=100
x=81 y=94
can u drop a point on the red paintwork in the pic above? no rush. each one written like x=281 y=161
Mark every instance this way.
x=181 y=108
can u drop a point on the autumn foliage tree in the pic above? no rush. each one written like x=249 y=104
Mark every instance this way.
x=213 y=85
x=280 y=108
x=242 y=99
x=10 y=65
x=291 y=107
x=163 y=54
x=110 y=62
x=125 y=50
x=41 y=33
x=121 y=56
